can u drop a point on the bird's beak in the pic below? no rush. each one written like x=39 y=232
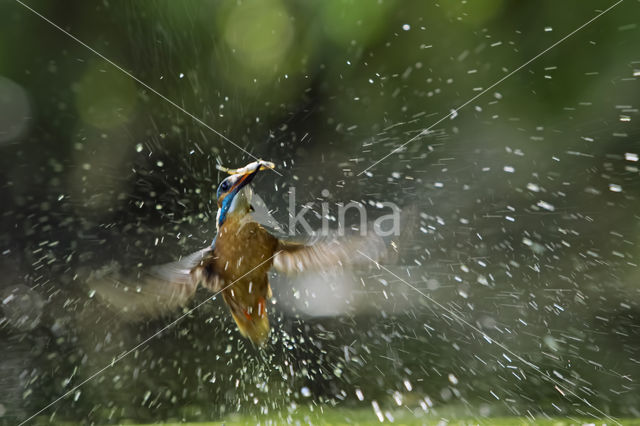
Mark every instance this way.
x=242 y=182
x=245 y=180
x=248 y=173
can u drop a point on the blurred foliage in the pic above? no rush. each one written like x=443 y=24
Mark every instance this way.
x=104 y=99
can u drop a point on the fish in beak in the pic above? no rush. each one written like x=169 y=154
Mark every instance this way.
x=234 y=194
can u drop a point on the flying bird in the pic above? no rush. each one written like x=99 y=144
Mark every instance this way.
x=236 y=264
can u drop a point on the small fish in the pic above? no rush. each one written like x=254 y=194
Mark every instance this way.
x=236 y=264
x=251 y=167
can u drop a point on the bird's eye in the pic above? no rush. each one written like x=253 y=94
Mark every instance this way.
x=224 y=186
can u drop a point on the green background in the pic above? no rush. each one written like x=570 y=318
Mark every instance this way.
x=523 y=208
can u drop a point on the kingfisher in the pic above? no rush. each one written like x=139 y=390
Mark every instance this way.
x=237 y=263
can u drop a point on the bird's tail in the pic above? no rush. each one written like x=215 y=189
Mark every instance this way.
x=253 y=323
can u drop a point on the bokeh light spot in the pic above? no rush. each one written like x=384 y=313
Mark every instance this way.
x=260 y=33
x=475 y=13
x=14 y=110
x=348 y=20
x=105 y=98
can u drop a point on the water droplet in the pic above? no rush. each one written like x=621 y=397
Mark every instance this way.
x=377 y=410
x=453 y=379
x=615 y=187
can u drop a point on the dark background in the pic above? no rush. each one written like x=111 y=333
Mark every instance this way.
x=524 y=206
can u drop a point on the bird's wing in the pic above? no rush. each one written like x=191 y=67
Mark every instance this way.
x=329 y=253
x=158 y=289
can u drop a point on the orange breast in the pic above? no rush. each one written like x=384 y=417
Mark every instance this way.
x=243 y=247
x=243 y=256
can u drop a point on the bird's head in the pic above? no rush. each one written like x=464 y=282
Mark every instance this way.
x=234 y=192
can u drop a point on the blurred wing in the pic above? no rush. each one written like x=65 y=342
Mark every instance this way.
x=328 y=254
x=157 y=290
